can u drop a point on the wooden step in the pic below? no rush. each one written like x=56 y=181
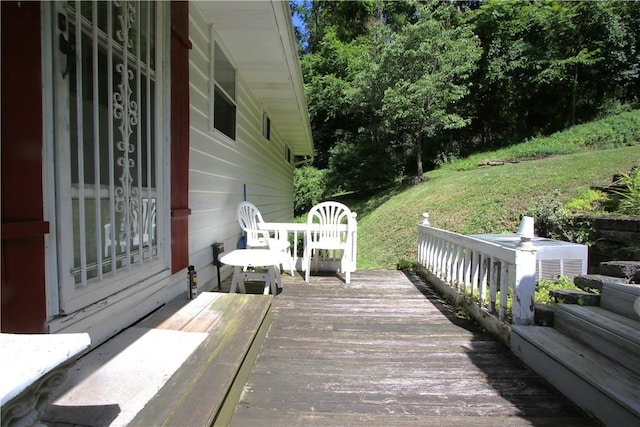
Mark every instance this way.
x=620 y=298
x=599 y=386
x=178 y=366
x=611 y=334
x=203 y=389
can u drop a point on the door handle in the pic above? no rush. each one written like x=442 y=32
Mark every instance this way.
x=69 y=49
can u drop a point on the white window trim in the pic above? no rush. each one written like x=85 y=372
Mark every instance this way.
x=213 y=40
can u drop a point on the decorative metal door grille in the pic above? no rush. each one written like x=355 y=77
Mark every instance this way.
x=112 y=168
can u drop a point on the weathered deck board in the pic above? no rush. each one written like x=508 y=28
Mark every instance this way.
x=195 y=393
x=385 y=350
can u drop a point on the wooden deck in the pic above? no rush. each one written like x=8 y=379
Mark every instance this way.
x=386 y=351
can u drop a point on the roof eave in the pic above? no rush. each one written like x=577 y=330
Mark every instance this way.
x=260 y=38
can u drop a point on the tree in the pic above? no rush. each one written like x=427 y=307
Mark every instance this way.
x=420 y=72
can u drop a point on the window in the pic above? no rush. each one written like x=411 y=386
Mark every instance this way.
x=224 y=92
x=266 y=126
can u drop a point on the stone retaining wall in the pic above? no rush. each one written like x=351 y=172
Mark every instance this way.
x=618 y=238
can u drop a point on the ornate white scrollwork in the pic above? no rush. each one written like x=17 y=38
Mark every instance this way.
x=27 y=408
x=125 y=109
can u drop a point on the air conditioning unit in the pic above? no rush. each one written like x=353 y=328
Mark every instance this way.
x=562 y=259
x=554 y=258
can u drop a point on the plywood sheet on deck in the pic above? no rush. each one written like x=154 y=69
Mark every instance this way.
x=385 y=350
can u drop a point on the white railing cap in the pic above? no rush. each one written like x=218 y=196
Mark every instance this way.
x=425 y=218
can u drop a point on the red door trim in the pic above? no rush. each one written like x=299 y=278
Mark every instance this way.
x=18 y=230
x=180 y=211
x=24 y=307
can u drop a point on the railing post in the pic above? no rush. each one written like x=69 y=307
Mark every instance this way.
x=425 y=218
x=424 y=242
x=525 y=282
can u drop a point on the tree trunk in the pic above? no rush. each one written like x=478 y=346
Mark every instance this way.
x=573 y=95
x=420 y=170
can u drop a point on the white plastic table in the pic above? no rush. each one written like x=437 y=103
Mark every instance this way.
x=243 y=258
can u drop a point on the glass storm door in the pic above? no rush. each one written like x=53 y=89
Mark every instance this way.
x=108 y=147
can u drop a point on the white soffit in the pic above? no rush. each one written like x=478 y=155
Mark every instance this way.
x=260 y=39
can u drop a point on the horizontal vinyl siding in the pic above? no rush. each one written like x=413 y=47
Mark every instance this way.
x=218 y=166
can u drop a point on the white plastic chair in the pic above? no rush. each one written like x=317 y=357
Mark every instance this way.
x=249 y=217
x=330 y=226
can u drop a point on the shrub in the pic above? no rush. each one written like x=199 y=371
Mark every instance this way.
x=554 y=221
x=405 y=264
x=309 y=188
x=589 y=201
x=629 y=203
x=544 y=287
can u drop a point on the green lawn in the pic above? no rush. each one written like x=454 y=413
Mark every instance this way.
x=482 y=200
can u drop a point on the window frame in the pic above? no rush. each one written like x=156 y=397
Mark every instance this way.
x=214 y=86
x=266 y=126
x=287 y=154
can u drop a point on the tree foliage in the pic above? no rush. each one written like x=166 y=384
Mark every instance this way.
x=391 y=84
x=309 y=188
x=421 y=71
x=548 y=65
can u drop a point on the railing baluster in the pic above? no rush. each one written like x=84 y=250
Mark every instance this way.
x=484 y=267
x=504 y=290
x=140 y=215
x=460 y=271
x=110 y=137
x=475 y=268
x=466 y=276
x=493 y=285
x=449 y=264
x=96 y=141
x=436 y=257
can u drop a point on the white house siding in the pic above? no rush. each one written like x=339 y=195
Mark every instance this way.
x=219 y=167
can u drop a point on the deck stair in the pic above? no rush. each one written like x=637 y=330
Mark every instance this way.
x=592 y=353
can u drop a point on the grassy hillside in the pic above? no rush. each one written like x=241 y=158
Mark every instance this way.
x=479 y=200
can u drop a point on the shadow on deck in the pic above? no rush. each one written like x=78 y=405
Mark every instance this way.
x=386 y=350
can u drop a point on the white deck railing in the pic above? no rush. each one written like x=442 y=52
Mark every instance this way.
x=492 y=276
